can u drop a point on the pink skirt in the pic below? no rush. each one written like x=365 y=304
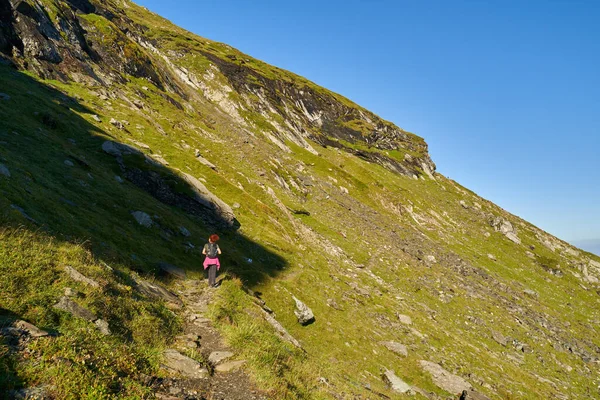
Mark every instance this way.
x=211 y=261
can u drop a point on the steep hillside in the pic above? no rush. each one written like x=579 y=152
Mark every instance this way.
x=125 y=141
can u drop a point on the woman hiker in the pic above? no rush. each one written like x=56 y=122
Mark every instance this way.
x=211 y=250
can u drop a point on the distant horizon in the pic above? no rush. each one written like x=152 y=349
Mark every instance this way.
x=589 y=245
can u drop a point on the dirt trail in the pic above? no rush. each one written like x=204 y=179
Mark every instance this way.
x=227 y=380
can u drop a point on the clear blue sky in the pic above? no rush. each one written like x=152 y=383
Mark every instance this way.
x=506 y=92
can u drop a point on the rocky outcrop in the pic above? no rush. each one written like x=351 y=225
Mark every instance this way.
x=209 y=200
x=506 y=228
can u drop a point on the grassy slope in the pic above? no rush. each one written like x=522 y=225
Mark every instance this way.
x=455 y=307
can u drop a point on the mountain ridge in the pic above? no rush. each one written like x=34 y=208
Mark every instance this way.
x=126 y=141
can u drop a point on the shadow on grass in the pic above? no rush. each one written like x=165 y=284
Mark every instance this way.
x=9 y=379
x=63 y=182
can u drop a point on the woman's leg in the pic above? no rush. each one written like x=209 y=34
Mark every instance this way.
x=212 y=275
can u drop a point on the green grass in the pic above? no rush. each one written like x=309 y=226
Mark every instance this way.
x=83 y=218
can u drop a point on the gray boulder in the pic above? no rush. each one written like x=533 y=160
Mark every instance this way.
x=176 y=362
x=4 y=171
x=142 y=218
x=395 y=383
x=4 y=96
x=303 y=313
x=77 y=276
x=395 y=347
x=473 y=395
x=68 y=305
x=216 y=357
x=118 y=149
x=184 y=231
x=444 y=379
x=230 y=366
x=30 y=329
x=499 y=338
x=405 y=319
x=102 y=326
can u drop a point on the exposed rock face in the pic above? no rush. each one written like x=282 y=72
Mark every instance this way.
x=303 y=313
x=506 y=228
x=209 y=200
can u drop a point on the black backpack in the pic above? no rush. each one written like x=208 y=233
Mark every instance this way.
x=212 y=250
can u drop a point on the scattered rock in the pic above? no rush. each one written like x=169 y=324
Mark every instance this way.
x=68 y=305
x=303 y=313
x=96 y=118
x=118 y=149
x=499 y=338
x=4 y=96
x=405 y=319
x=30 y=329
x=430 y=259
x=172 y=270
x=4 y=171
x=530 y=293
x=235 y=206
x=35 y=393
x=23 y=213
x=117 y=124
x=344 y=190
x=333 y=304
x=472 y=395
x=142 y=218
x=118 y=179
x=230 y=366
x=395 y=347
x=77 y=276
x=395 y=383
x=103 y=327
x=184 y=231
x=157 y=292
x=492 y=257
x=464 y=204
x=444 y=379
x=177 y=362
x=70 y=292
x=216 y=357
